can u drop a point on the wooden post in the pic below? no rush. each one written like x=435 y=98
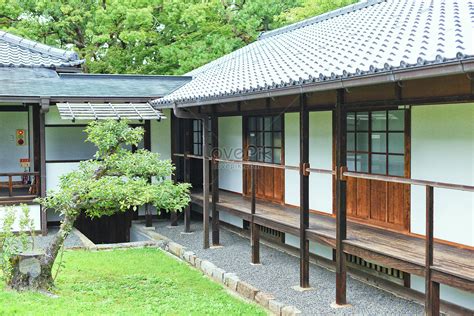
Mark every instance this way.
x=205 y=186
x=186 y=169
x=341 y=216
x=304 y=192
x=147 y=146
x=254 y=229
x=187 y=210
x=215 y=179
x=431 y=288
x=42 y=138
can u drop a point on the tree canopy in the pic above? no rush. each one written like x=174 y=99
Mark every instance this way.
x=153 y=36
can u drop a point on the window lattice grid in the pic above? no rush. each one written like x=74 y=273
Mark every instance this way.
x=376 y=142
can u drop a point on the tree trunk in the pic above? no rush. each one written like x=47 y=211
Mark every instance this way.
x=33 y=271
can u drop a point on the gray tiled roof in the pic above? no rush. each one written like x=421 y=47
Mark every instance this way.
x=362 y=39
x=28 y=82
x=16 y=51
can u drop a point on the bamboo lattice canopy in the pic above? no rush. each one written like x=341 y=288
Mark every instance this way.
x=103 y=111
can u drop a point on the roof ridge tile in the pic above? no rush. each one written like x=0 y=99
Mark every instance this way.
x=38 y=47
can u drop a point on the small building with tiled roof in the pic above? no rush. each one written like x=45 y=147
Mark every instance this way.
x=45 y=102
x=349 y=136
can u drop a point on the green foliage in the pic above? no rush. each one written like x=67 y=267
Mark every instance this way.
x=11 y=242
x=127 y=282
x=117 y=179
x=310 y=8
x=152 y=36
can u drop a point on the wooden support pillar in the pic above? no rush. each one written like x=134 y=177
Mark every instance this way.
x=42 y=158
x=187 y=210
x=431 y=288
x=341 y=216
x=215 y=179
x=304 y=192
x=254 y=228
x=186 y=127
x=205 y=185
x=147 y=146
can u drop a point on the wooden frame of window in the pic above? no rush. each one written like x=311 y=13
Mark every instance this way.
x=385 y=142
x=196 y=137
x=270 y=181
x=378 y=203
x=267 y=143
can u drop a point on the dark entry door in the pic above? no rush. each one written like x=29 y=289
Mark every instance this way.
x=378 y=142
x=264 y=142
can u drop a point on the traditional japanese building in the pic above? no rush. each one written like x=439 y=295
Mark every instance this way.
x=45 y=104
x=349 y=136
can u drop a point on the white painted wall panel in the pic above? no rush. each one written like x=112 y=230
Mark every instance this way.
x=447 y=293
x=230 y=144
x=443 y=150
x=53 y=172
x=292 y=158
x=35 y=215
x=161 y=136
x=320 y=156
x=10 y=153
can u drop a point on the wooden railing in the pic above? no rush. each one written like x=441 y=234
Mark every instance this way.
x=431 y=287
x=17 y=181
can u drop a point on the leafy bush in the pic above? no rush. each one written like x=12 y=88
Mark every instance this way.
x=11 y=242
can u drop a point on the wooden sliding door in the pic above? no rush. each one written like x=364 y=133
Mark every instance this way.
x=378 y=142
x=263 y=142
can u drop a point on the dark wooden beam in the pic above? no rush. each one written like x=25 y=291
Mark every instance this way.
x=147 y=146
x=215 y=178
x=254 y=228
x=186 y=174
x=304 y=192
x=42 y=159
x=341 y=186
x=431 y=287
x=205 y=185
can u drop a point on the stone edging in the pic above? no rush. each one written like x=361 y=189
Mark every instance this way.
x=228 y=279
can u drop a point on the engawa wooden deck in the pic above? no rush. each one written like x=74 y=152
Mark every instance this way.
x=452 y=265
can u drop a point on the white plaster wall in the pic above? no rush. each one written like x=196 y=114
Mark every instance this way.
x=314 y=247
x=68 y=143
x=161 y=136
x=230 y=144
x=443 y=150
x=53 y=172
x=231 y=219
x=292 y=158
x=10 y=153
x=447 y=293
x=320 y=156
x=35 y=215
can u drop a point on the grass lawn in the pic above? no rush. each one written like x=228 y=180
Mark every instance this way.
x=128 y=282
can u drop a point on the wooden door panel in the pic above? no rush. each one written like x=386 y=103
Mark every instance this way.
x=397 y=203
x=278 y=184
x=268 y=183
x=351 y=197
x=363 y=198
x=378 y=201
x=260 y=182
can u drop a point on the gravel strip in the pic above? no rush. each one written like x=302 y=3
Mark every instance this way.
x=72 y=241
x=280 y=271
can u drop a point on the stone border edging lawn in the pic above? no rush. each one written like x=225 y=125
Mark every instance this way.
x=228 y=279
